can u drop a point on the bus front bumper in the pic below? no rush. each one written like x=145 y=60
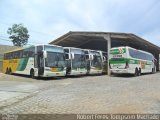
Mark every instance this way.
x=78 y=72
x=120 y=71
x=95 y=72
x=54 y=74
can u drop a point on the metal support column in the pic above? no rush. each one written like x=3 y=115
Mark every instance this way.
x=108 y=38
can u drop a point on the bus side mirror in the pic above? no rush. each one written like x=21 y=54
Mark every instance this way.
x=104 y=58
x=91 y=57
x=72 y=54
x=87 y=57
x=67 y=56
x=45 y=54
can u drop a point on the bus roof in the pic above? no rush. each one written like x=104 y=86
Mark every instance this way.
x=74 y=48
x=14 y=50
x=18 y=49
x=22 y=48
x=131 y=48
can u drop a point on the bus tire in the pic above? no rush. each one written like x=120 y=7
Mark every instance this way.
x=10 y=71
x=152 y=71
x=32 y=74
x=139 y=72
x=136 y=72
x=6 y=71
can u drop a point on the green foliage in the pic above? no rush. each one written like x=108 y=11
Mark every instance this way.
x=18 y=34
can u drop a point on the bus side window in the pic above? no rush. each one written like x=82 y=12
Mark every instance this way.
x=66 y=56
x=7 y=56
x=31 y=52
x=20 y=54
x=4 y=56
x=10 y=55
x=15 y=55
x=23 y=54
x=26 y=53
x=66 y=50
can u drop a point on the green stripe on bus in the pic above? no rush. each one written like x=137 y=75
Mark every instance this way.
x=22 y=64
x=124 y=60
x=118 y=61
x=117 y=51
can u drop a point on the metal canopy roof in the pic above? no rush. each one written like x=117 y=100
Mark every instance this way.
x=97 y=41
x=79 y=39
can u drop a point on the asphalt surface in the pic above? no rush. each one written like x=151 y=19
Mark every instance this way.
x=85 y=94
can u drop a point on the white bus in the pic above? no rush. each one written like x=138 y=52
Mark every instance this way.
x=130 y=60
x=36 y=61
x=75 y=61
x=94 y=62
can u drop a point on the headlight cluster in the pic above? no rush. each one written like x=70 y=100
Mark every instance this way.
x=47 y=69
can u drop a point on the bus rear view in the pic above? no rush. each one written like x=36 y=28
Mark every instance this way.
x=132 y=61
x=118 y=62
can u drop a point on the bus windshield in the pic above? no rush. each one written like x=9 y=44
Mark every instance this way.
x=97 y=61
x=55 y=60
x=79 y=58
x=79 y=61
x=55 y=57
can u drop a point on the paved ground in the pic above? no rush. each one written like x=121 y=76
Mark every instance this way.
x=88 y=94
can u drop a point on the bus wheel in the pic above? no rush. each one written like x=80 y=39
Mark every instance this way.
x=10 y=71
x=152 y=71
x=136 y=72
x=7 y=71
x=139 y=72
x=32 y=73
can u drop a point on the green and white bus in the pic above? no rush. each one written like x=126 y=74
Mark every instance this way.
x=75 y=61
x=36 y=61
x=130 y=60
x=94 y=62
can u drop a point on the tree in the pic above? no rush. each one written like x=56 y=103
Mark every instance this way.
x=18 y=35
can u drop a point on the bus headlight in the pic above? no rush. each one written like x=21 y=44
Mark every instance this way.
x=47 y=69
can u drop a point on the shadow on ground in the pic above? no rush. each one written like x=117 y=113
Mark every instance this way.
x=58 y=78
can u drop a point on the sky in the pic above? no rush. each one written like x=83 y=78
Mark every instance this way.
x=47 y=20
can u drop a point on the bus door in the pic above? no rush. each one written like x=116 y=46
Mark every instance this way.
x=88 y=64
x=39 y=60
x=105 y=62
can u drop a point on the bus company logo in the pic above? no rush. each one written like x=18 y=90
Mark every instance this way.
x=12 y=61
x=117 y=56
x=142 y=64
x=121 y=50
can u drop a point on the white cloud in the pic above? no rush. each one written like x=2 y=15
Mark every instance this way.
x=48 y=19
x=153 y=36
